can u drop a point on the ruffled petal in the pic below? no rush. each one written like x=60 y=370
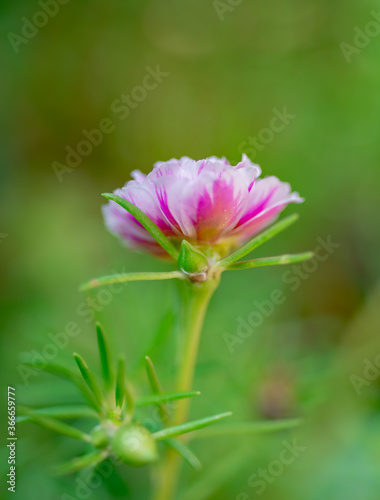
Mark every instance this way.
x=267 y=199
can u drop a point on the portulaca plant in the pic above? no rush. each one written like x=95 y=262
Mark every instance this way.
x=204 y=217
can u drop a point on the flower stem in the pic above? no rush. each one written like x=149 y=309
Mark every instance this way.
x=196 y=299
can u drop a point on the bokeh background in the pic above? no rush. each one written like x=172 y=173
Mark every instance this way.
x=229 y=67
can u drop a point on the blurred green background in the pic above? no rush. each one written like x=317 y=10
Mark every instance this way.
x=227 y=73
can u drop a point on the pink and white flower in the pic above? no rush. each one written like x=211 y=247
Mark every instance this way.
x=209 y=203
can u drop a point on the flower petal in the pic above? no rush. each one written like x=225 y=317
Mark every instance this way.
x=267 y=199
x=208 y=201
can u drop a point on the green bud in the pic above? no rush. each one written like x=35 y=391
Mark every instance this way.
x=134 y=445
x=192 y=261
x=99 y=437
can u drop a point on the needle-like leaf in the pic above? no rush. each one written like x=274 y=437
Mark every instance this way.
x=244 y=428
x=67 y=374
x=156 y=399
x=185 y=452
x=271 y=261
x=155 y=385
x=79 y=463
x=123 y=390
x=56 y=425
x=69 y=412
x=259 y=240
x=130 y=399
x=122 y=278
x=152 y=376
x=120 y=385
x=104 y=358
x=149 y=225
x=189 y=426
x=89 y=378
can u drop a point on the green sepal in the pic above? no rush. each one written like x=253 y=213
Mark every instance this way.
x=259 y=240
x=192 y=261
x=281 y=260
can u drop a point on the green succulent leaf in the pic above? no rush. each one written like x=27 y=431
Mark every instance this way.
x=120 y=385
x=67 y=411
x=122 y=278
x=271 y=261
x=245 y=428
x=56 y=425
x=79 y=463
x=104 y=357
x=185 y=452
x=67 y=374
x=156 y=399
x=152 y=376
x=189 y=426
x=149 y=225
x=129 y=396
x=155 y=385
x=259 y=240
x=89 y=378
x=123 y=391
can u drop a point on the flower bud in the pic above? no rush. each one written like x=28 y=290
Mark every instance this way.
x=134 y=445
x=192 y=262
x=99 y=437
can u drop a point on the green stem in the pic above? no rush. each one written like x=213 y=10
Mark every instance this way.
x=197 y=299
